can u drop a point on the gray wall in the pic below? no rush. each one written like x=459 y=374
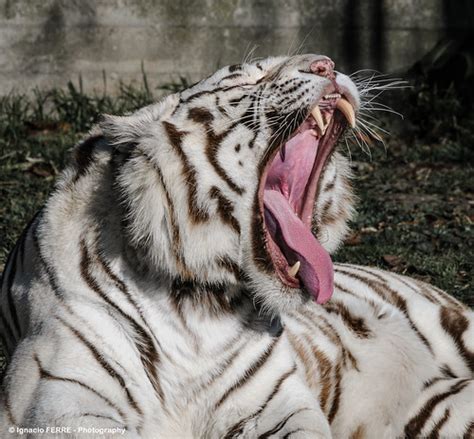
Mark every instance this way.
x=48 y=42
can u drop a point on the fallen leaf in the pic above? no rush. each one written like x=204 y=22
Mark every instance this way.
x=42 y=169
x=353 y=239
x=393 y=260
x=368 y=230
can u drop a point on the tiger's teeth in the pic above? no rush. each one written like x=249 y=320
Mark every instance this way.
x=293 y=270
x=347 y=110
x=318 y=117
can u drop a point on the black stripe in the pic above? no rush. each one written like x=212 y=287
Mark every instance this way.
x=280 y=425
x=235 y=67
x=48 y=269
x=231 y=76
x=8 y=410
x=260 y=255
x=397 y=278
x=291 y=433
x=277 y=387
x=52 y=279
x=236 y=101
x=207 y=92
x=363 y=270
x=204 y=116
x=421 y=289
x=44 y=374
x=249 y=373
x=103 y=363
x=9 y=331
x=355 y=324
x=324 y=367
x=330 y=185
x=238 y=427
x=252 y=141
x=447 y=372
x=220 y=108
x=415 y=425
x=122 y=286
x=370 y=302
x=451 y=300
x=434 y=433
x=228 y=264
x=11 y=263
x=176 y=244
x=225 y=208
x=383 y=290
x=431 y=381
x=322 y=324
x=210 y=297
x=3 y=347
x=24 y=235
x=119 y=283
x=148 y=354
x=469 y=433
x=83 y=155
x=175 y=137
x=455 y=323
x=337 y=395
x=237 y=343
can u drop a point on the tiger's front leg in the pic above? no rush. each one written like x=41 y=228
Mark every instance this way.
x=292 y=412
x=297 y=415
x=277 y=403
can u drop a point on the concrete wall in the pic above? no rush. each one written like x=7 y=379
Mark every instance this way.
x=48 y=42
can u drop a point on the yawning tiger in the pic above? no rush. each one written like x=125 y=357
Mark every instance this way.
x=178 y=283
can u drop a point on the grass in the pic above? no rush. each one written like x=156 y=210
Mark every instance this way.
x=416 y=200
x=416 y=209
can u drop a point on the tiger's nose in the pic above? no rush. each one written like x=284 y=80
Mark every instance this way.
x=323 y=67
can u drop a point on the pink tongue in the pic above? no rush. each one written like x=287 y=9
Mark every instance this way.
x=316 y=271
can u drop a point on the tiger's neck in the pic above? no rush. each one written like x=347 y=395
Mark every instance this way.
x=94 y=194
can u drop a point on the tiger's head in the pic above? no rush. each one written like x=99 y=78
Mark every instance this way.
x=235 y=180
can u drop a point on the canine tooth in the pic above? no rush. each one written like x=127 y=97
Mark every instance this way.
x=293 y=270
x=347 y=110
x=318 y=117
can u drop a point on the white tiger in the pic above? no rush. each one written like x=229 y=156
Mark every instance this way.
x=176 y=283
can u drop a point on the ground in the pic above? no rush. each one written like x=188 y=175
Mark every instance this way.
x=416 y=201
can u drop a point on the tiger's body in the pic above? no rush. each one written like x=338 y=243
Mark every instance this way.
x=140 y=298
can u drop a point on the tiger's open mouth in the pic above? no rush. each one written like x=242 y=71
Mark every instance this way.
x=287 y=195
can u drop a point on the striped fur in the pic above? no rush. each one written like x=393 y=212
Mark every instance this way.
x=141 y=297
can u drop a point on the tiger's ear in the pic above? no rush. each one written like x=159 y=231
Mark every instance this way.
x=124 y=132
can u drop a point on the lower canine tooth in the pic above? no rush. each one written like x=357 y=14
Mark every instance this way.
x=292 y=271
x=318 y=117
x=347 y=110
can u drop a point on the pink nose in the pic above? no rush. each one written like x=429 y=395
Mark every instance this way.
x=323 y=67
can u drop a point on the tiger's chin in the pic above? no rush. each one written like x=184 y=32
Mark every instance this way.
x=303 y=204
